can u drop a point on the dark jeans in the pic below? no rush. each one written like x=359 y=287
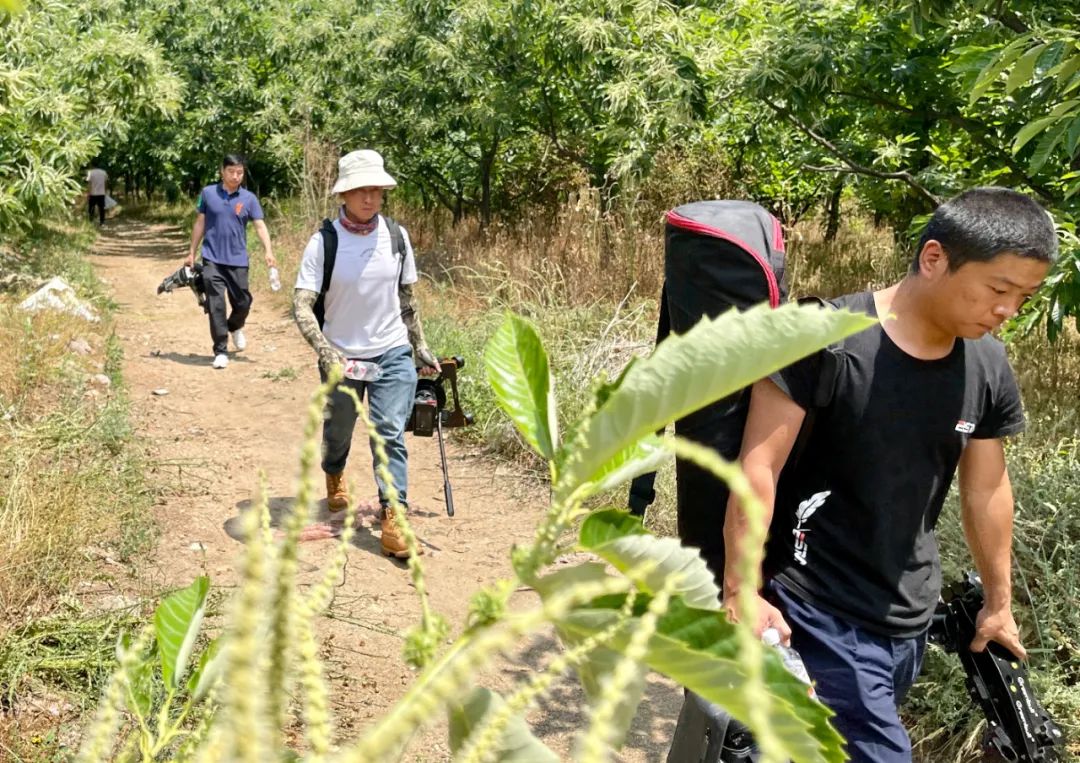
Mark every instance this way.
x=219 y=281
x=862 y=676
x=99 y=202
x=390 y=401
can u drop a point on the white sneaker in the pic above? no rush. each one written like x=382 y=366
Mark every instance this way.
x=221 y=360
x=238 y=339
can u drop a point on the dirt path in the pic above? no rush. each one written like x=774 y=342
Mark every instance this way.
x=213 y=432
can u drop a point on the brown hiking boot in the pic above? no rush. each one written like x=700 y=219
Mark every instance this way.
x=337 y=498
x=393 y=542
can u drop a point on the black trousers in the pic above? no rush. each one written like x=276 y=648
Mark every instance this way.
x=99 y=202
x=219 y=281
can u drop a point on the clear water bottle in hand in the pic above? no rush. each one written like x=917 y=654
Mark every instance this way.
x=275 y=280
x=791 y=659
x=362 y=370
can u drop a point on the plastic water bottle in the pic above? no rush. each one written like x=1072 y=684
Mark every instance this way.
x=275 y=280
x=791 y=659
x=362 y=370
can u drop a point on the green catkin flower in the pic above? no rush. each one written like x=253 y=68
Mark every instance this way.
x=245 y=709
x=751 y=650
x=317 y=721
x=283 y=632
x=317 y=717
x=481 y=745
x=101 y=736
x=197 y=737
x=433 y=627
x=456 y=670
x=596 y=744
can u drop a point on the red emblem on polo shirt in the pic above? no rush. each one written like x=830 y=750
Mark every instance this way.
x=238 y=208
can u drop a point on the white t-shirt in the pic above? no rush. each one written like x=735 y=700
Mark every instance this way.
x=363 y=312
x=96 y=178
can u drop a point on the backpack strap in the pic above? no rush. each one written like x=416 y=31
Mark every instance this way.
x=397 y=244
x=826 y=385
x=330 y=244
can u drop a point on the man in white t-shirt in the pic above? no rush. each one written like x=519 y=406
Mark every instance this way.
x=96 y=181
x=369 y=314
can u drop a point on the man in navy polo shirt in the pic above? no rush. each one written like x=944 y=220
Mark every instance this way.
x=225 y=209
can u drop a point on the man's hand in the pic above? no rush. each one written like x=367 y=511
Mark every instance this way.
x=189 y=261
x=768 y=616
x=271 y=262
x=329 y=358
x=431 y=367
x=999 y=626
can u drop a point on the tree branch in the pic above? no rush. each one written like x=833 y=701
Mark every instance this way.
x=852 y=166
x=981 y=132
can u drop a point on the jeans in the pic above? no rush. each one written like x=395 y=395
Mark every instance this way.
x=861 y=676
x=390 y=402
x=219 y=281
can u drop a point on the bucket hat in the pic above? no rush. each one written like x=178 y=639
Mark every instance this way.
x=362 y=169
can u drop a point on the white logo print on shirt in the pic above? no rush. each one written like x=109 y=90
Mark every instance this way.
x=805 y=511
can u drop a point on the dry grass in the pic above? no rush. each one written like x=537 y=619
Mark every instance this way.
x=69 y=471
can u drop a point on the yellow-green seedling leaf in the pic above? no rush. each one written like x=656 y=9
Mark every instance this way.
x=517 y=743
x=688 y=371
x=11 y=6
x=206 y=673
x=611 y=535
x=699 y=649
x=176 y=625
x=518 y=371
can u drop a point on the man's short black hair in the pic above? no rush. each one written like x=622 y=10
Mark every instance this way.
x=982 y=223
x=232 y=160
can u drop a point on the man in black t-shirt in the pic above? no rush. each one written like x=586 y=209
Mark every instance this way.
x=852 y=563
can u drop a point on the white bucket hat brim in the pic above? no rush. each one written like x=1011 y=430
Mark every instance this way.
x=362 y=169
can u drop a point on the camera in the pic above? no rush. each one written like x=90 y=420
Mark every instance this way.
x=191 y=278
x=429 y=413
x=430 y=416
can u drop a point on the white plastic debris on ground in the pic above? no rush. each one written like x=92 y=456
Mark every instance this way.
x=57 y=295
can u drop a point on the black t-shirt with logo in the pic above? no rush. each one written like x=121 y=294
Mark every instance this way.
x=853 y=528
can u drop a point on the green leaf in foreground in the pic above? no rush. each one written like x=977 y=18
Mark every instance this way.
x=619 y=539
x=699 y=650
x=689 y=371
x=176 y=625
x=518 y=371
x=517 y=743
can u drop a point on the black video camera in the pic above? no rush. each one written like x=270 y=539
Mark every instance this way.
x=186 y=277
x=1017 y=726
x=429 y=414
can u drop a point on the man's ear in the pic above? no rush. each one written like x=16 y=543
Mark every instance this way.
x=933 y=260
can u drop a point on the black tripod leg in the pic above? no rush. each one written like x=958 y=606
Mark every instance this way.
x=447 y=492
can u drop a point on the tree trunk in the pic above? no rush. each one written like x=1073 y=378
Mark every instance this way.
x=832 y=224
x=487 y=174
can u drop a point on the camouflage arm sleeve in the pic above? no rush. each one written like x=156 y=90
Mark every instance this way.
x=410 y=315
x=303 y=304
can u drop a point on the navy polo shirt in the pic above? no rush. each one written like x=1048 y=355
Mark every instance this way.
x=227 y=216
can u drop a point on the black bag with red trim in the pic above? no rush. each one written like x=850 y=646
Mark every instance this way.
x=718 y=255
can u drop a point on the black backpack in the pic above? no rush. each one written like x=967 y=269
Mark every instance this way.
x=717 y=255
x=330 y=245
